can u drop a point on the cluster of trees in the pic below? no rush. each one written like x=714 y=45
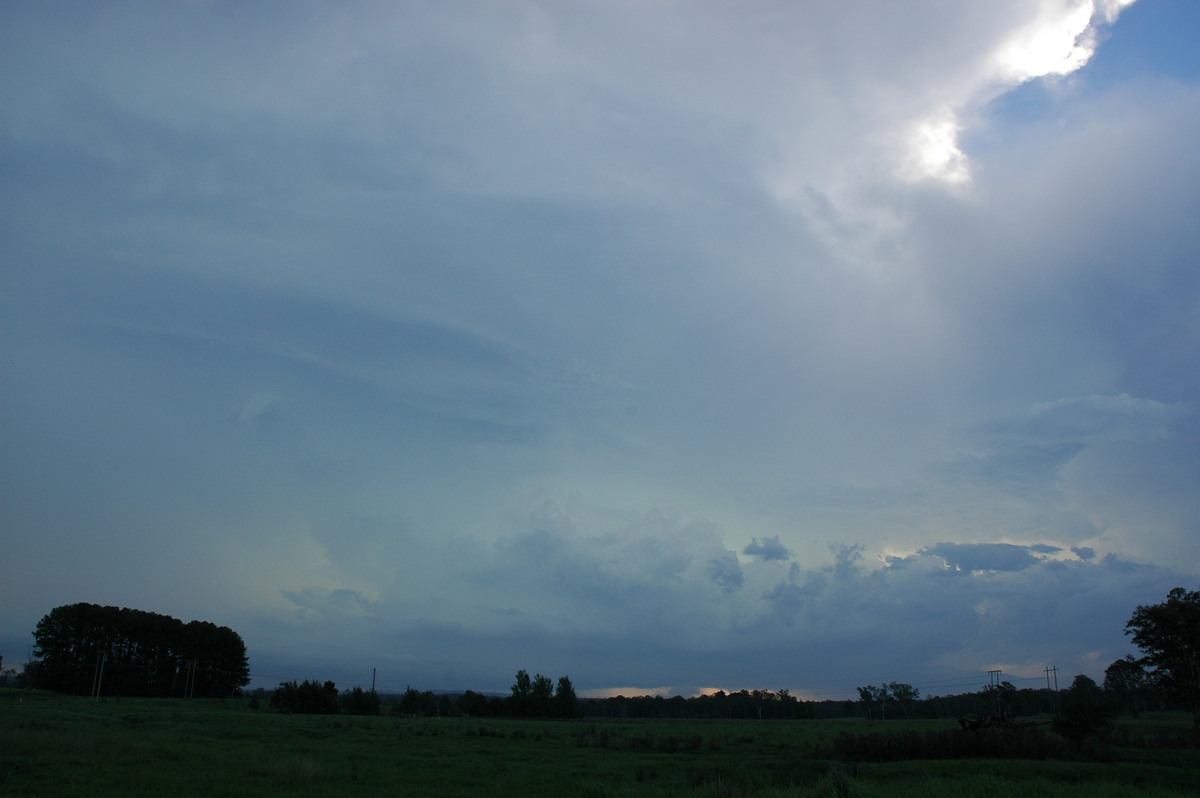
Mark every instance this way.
x=8 y=676
x=316 y=698
x=415 y=703
x=535 y=696
x=89 y=649
x=539 y=697
x=905 y=695
x=532 y=697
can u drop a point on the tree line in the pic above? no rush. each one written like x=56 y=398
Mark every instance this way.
x=719 y=705
x=316 y=698
x=117 y=651
x=532 y=697
x=120 y=651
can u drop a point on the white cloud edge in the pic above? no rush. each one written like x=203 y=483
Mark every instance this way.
x=1061 y=39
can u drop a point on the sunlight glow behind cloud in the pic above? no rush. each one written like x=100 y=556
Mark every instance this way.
x=935 y=150
x=1058 y=42
x=1061 y=39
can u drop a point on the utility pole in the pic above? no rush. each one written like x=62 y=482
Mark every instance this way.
x=372 y=680
x=189 y=679
x=98 y=675
x=994 y=689
x=1052 y=671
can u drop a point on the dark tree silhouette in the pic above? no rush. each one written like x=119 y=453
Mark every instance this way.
x=903 y=694
x=1126 y=679
x=120 y=651
x=1169 y=636
x=306 y=698
x=566 y=704
x=541 y=692
x=1085 y=710
x=522 y=689
x=359 y=702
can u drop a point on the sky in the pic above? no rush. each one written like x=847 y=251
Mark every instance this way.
x=668 y=345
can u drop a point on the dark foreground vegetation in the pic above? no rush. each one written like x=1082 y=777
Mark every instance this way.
x=55 y=745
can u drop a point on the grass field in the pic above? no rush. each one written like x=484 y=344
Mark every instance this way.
x=54 y=745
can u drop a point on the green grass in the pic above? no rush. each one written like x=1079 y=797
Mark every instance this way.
x=63 y=746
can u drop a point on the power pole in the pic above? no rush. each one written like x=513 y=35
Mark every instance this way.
x=372 y=680
x=98 y=675
x=1052 y=672
x=189 y=679
x=994 y=688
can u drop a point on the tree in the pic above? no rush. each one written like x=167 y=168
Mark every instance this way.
x=410 y=703
x=414 y=703
x=1086 y=710
x=874 y=695
x=788 y=704
x=1000 y=698
x=359 y=702
x=520 y=692
x=540 y=694
x=904 y=695
x=306 y=698
x=566 y=704
x=1126 y=679
x=7 y=676
x=1169 y=636
x=473 y=704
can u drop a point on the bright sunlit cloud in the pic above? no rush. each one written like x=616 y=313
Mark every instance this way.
x=935 y=152
x=1061 y=39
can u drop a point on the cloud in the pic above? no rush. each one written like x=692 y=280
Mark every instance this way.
x=1061 y=38
x=1025 y=451
x=1085 y=420
x=635 y=340
x=984 y=556
x=767 y=549
x=597 y=598
x=339 y=603
x=656 y=589
x=726 y=572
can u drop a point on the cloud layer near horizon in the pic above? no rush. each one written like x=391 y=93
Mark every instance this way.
x=762 y=346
